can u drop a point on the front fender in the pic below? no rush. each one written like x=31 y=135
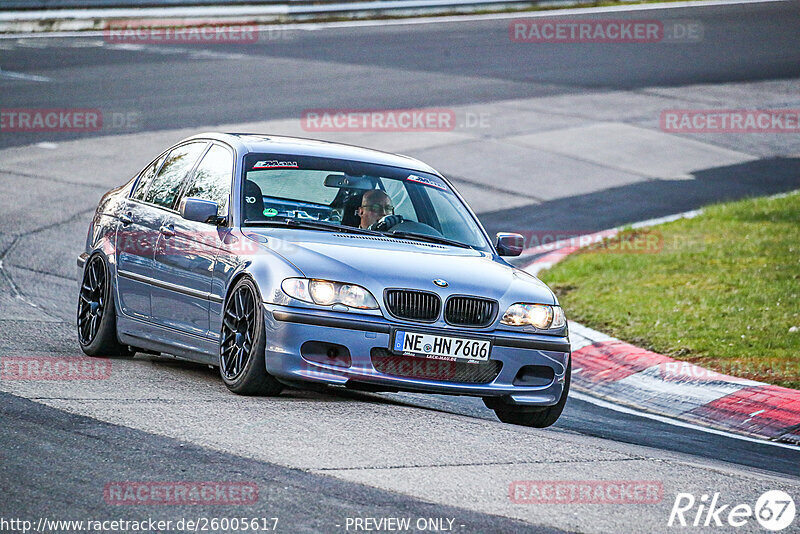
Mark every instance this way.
x=267 y=268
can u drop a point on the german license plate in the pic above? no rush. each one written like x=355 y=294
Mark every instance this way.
x=441 y=347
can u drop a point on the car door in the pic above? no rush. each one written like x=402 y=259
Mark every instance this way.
x=186 y=251
x=136 y=242
x=143 y=223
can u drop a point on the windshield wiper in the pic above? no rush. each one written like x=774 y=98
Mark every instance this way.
x=428 y=237
x=312 y=224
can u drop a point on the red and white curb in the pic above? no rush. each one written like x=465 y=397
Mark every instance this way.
x=610 y=369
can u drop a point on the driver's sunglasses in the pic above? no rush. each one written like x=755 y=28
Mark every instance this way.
x=385 y=208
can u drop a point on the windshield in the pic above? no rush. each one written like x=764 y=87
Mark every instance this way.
x=412 y=204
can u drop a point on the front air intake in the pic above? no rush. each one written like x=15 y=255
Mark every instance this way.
x=441 y=370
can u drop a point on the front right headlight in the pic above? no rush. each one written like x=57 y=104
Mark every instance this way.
x=541 y=316
x=327 y=293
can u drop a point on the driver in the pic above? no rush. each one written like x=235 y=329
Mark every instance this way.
x=377 y=212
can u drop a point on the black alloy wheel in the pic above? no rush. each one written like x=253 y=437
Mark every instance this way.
x=242 y=359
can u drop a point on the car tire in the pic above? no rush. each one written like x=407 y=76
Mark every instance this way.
x=97 y=317
x=533 y=416
x=242 y=343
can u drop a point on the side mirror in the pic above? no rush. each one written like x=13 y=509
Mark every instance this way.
x=509 y=244
x=199 y=210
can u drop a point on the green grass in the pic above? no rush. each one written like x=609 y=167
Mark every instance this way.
x=721 y=290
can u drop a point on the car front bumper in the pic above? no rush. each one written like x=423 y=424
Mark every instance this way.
x=287 y=329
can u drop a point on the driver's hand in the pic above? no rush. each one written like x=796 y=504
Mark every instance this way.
x=386 y=222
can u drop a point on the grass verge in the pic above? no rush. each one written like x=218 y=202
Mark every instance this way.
x=721 y=290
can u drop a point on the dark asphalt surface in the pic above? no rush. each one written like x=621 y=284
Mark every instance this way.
x=423 y=65
x=56 y=465
x=59 y=462
x=592 y=420
x=648 y=200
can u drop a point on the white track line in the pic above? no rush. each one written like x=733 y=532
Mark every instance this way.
x=312 y=26
x=22 y=76
x=675 y=422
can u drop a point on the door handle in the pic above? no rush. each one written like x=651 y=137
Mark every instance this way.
x=168 y=231
x=126 y=218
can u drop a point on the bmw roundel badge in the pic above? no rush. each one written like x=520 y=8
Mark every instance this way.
x=441 y=283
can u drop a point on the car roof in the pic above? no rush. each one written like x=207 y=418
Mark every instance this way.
x=275 y=144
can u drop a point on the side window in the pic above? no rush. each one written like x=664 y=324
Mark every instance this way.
x=165 y=185
x=212 y=180
x=145 y=178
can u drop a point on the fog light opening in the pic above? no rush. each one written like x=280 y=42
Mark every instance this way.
x=326 y=353
x=534 y=375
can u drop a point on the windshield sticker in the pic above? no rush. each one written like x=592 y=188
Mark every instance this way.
x=275 y=164
x=270 y=212
x=425 y=181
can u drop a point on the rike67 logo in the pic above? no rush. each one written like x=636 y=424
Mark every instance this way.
x=774 y=510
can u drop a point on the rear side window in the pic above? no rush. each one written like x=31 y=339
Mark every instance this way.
x=212 y=180
x=145 y=178
x=165 y=185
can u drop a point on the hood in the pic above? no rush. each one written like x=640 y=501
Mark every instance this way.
x=378 y=263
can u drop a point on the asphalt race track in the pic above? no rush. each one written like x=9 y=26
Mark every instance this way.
x=549 y=138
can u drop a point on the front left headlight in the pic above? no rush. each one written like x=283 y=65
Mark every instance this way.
x=327 y=293
x=541 y=316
